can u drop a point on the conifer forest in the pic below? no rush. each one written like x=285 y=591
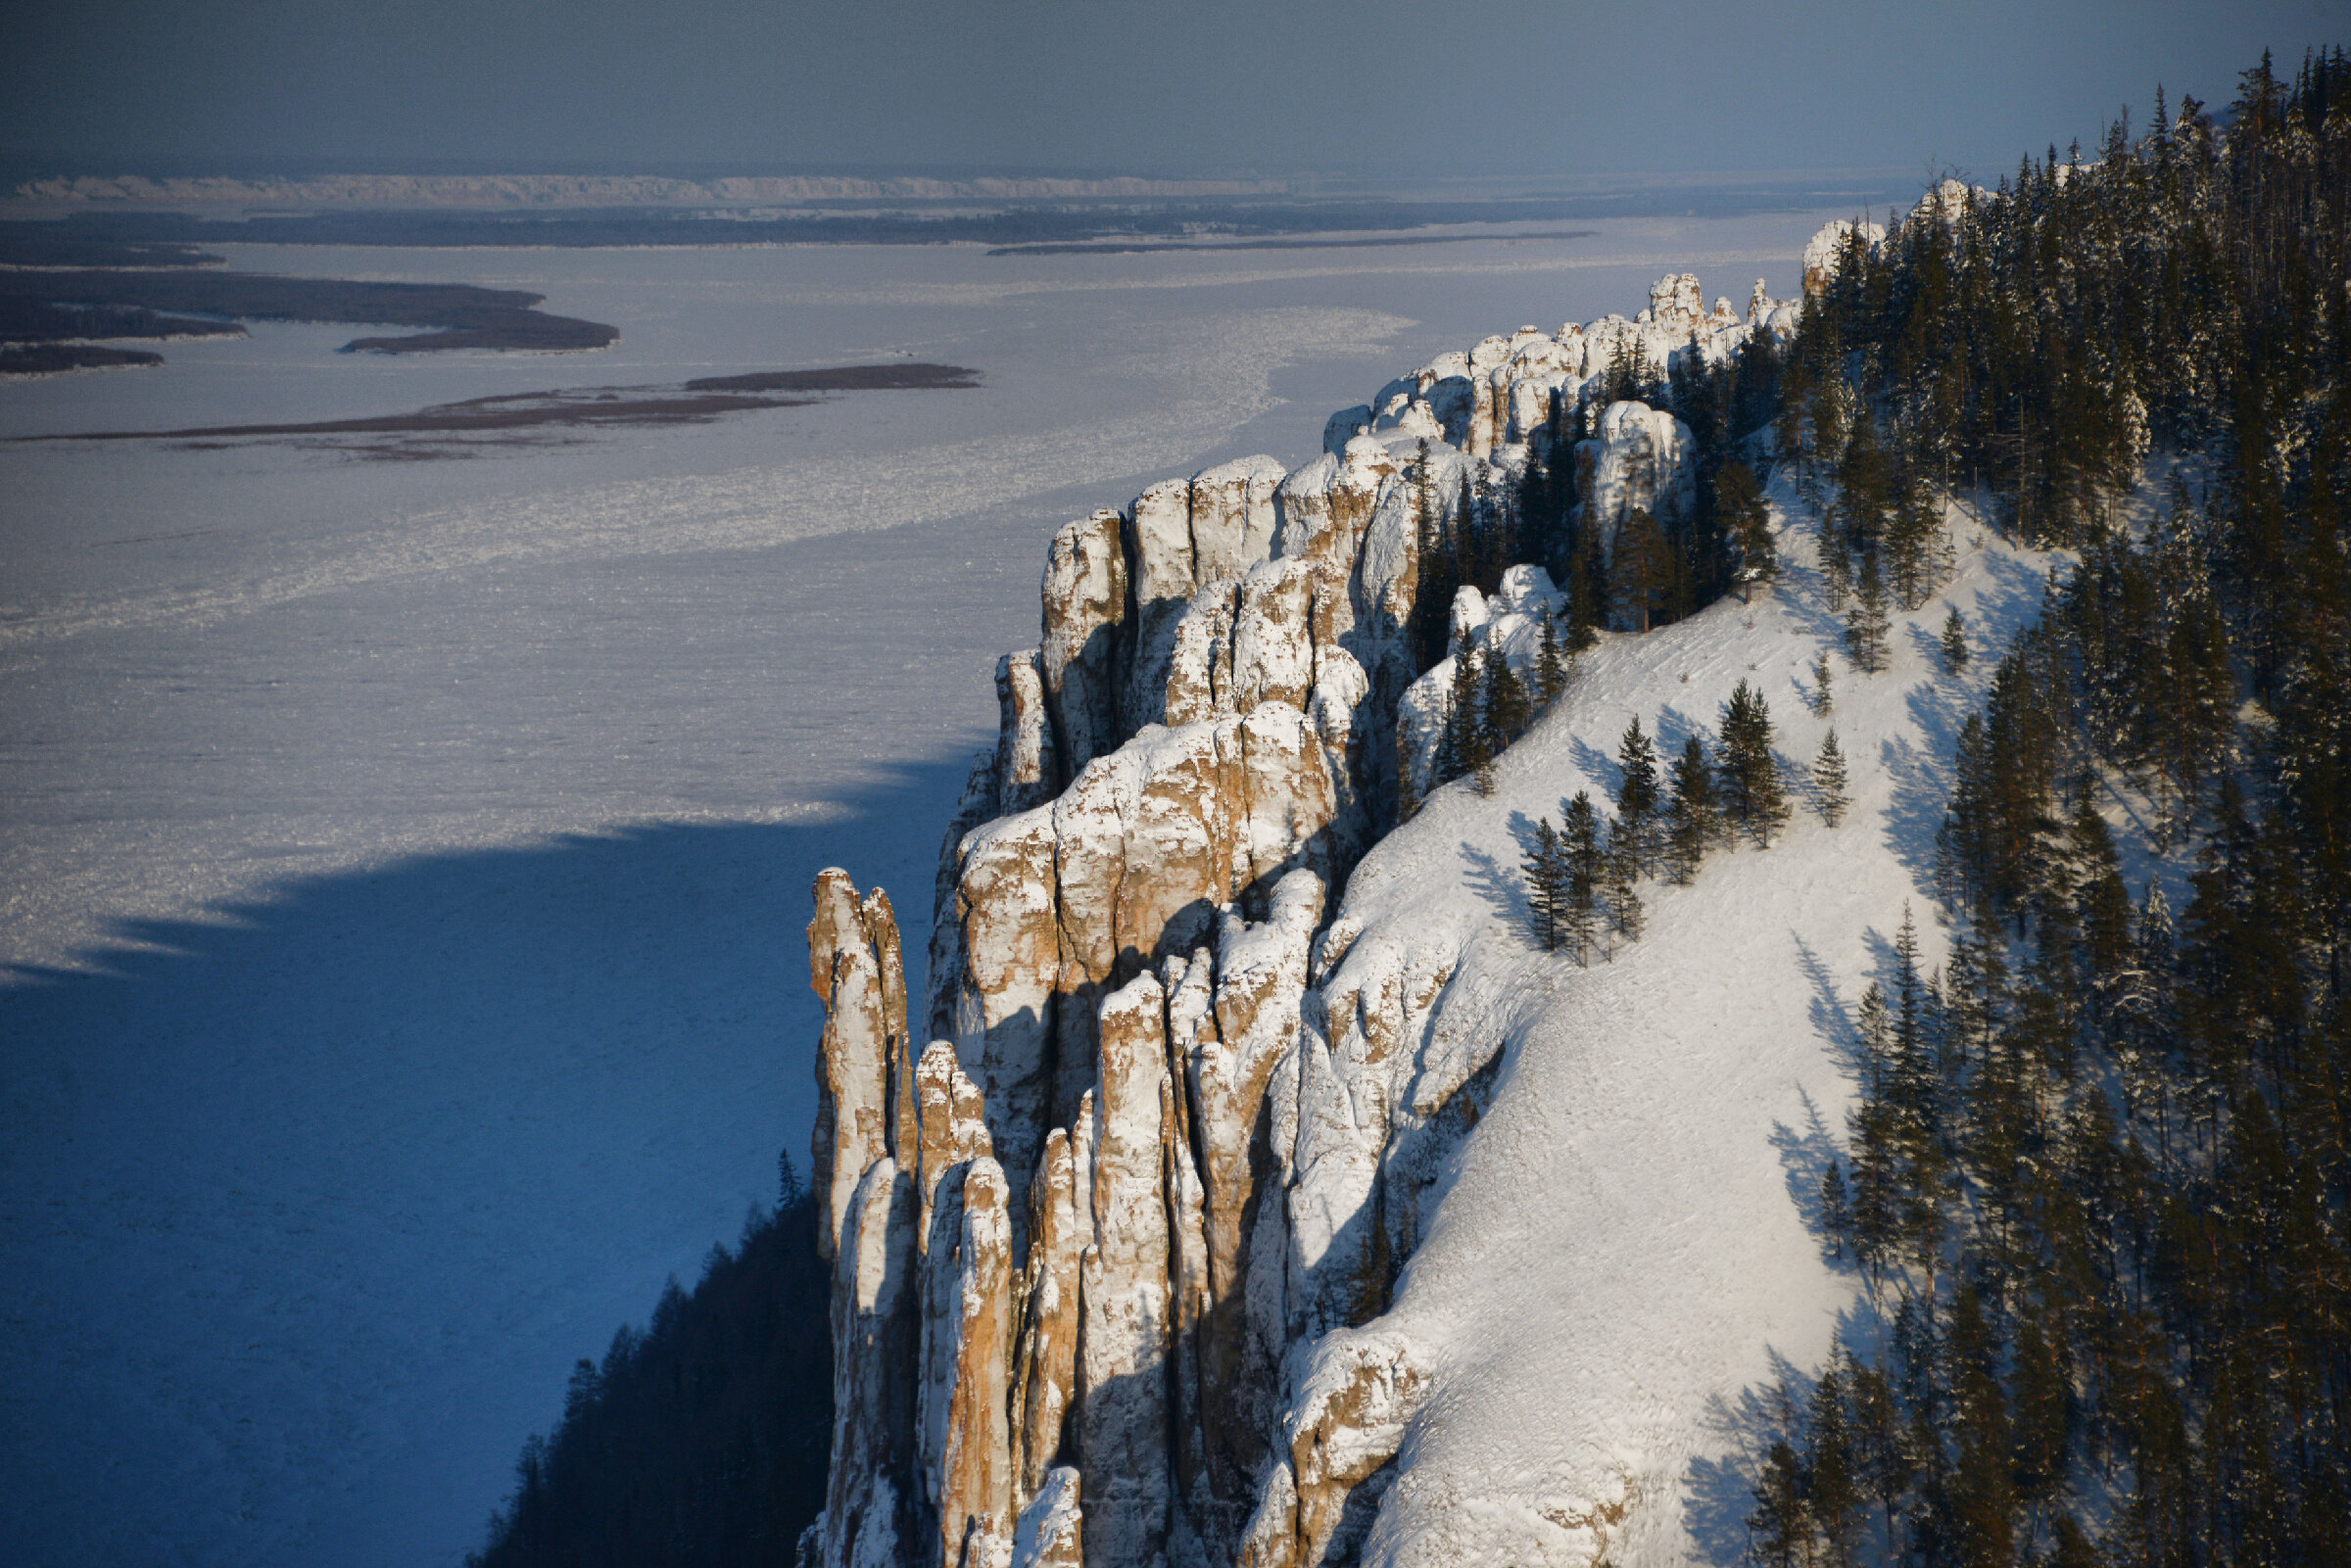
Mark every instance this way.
x=2096 y=1181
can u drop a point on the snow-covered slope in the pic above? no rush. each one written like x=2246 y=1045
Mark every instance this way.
x=1618 y=1250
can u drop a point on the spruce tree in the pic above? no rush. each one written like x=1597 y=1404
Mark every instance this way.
x=1745 y=522
x=1637 y=799
x=1867 y=622
x=1781 y=1527
x=1505 y=702
x=1546 y=869
x=1587 y=592
x=1641 y=567
x=1954 y=641
x=1824 y=699
x=1464 y=747
x=1438 y=567
x=1475 y=545
x=1580 y=848
x=1829 y=782
x=1833 y=1490
x=1749 y=775
x=1621 y=876
x=1693 y=813
x=1551 y=664
x=1911 y=538
x=1836 y=1215
x=1836 y=571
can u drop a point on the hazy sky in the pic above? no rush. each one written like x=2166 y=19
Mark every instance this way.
x=1174 y=86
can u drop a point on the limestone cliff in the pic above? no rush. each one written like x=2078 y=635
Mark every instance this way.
x=1109 y=1249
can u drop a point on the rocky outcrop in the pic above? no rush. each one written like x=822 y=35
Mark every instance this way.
x=1341 y=1440
x=864 y=1099
x=1638 y=457
x=1510 y=623
x=1824 y=252
x=870 y=1514
x=1085 y=612
x=1109 y=1251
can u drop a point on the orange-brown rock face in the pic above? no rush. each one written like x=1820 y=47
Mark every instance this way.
x=1341 y=1434
x=861 y=1063
x=1061 y=1227
x=975 y=1467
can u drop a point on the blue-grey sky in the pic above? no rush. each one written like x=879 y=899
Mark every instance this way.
x=1279 y=86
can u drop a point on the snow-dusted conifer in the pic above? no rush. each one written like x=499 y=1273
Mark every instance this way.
x=1637 y=797
x=1954 y=641
x=1621 y=876
x=1546 y=869
x=1506 y=707
x=1641 y=567
x=1780 y=1529
x=1580 y=847
x=1828 y=780
x=1461 y=749
x=1750 y=774
x=1693 y=818
x=1911 y=538
x=1868 y=622
x=1824 y=696
x=1551 y=664
x=1747 y=523
x=1835 y=1212
x=1836 y=571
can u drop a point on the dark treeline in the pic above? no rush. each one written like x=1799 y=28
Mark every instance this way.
x=703 y=1440
x=24 y=320
x=468 y=317
x=2099 y=1178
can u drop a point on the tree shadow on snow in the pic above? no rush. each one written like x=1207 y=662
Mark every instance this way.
x=1803 y=593
x=2004 y=606
x=1830 y=1019
x=1718 y=1493
x=1499 y=885
x=1597 y=764
x=1673 y=732
x=1914 y=814
x=1806 y=1155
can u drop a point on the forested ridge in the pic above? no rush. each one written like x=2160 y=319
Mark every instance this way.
x=2096 y=1181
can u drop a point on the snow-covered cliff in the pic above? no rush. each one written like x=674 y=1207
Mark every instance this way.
x=1246 y=1188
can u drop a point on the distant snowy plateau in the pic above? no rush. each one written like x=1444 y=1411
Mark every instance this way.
x=1227 y=1217
x=403 y=866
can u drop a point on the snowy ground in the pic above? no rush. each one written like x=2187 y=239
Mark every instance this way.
x=1622 y=1259
x=402 y=865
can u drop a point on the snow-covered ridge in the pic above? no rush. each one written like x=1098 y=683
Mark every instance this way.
x=1153 y=1253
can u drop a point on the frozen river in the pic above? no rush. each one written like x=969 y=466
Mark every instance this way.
x=404 y=863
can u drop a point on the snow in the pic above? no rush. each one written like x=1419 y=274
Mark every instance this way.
x=402 y=864
x=1619 y=1251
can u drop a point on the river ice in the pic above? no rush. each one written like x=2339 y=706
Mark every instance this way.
x=402 y=864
